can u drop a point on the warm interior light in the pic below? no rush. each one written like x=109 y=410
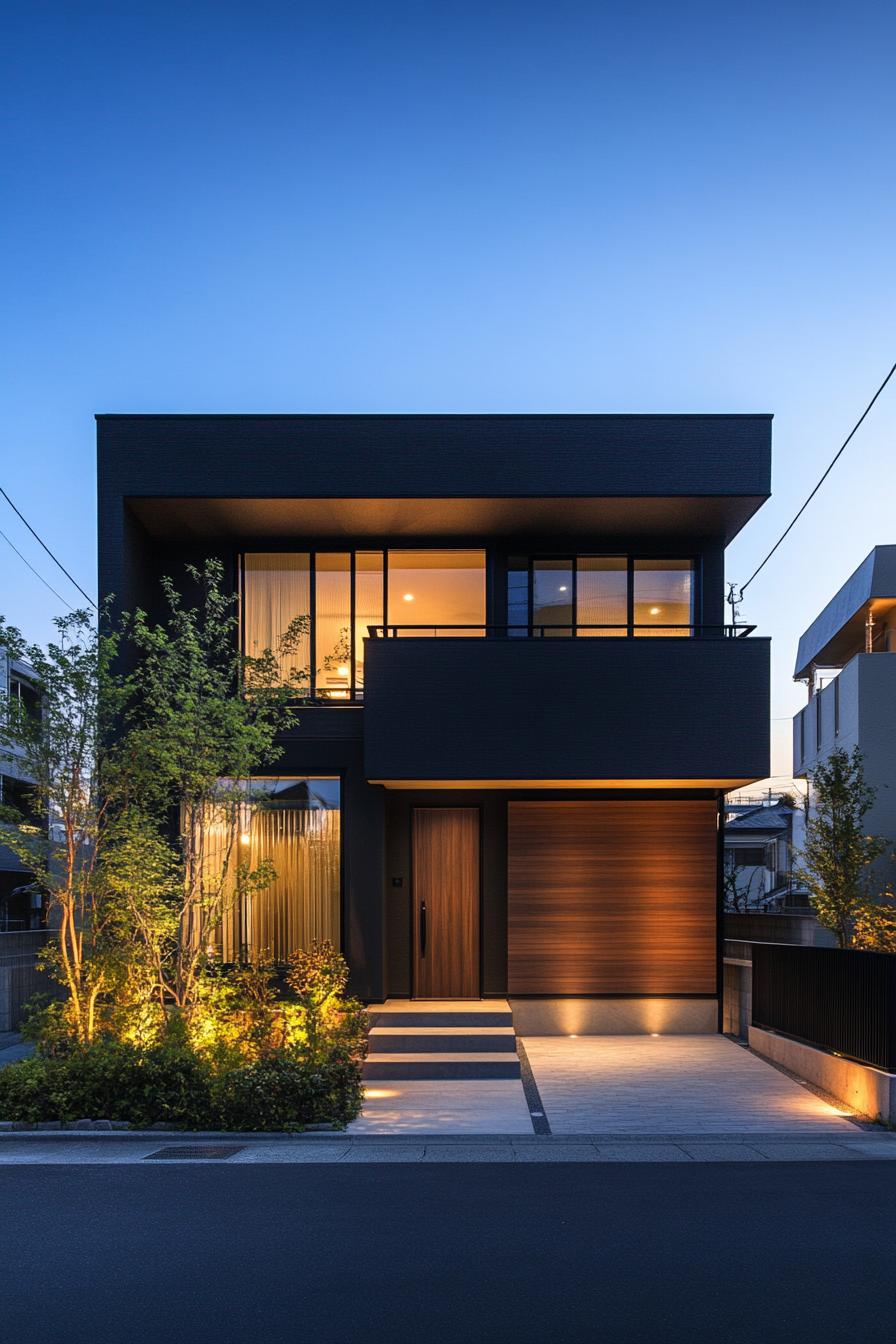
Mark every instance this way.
x=408 y=597
x=573 y=1038
x=655 y=611
x=244 y=837
x=342 y=671
x=654 y=1033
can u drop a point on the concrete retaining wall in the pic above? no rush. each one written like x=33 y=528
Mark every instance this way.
x=859 y=1087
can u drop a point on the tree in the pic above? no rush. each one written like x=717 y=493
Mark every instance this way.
x=202 y=718
x=835 y=863
x=62 y=749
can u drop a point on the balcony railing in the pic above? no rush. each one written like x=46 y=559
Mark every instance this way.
x=562 y=631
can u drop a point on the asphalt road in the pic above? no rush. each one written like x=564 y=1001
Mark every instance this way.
x=325 y=1254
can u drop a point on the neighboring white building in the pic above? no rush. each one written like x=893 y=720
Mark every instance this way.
x=20 y=904
x=761 y=838
x=852 y=687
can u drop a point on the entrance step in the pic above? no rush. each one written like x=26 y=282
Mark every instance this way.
x=456 y=1040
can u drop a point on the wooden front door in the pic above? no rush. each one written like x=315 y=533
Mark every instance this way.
x=445 y=843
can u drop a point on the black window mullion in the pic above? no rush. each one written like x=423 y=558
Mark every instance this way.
x=574 y=567
x=630 y=605
x=312 y=632
x=351 y=623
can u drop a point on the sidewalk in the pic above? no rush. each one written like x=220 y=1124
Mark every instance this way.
x=104 y=1149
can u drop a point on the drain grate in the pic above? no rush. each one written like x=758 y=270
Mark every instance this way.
x=181 y=1151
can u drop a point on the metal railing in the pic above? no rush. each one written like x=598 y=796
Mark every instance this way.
x=844 y=1001
x=572 y=631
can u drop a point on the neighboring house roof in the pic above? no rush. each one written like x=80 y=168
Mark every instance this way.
x=763 y=819
x=834 y=633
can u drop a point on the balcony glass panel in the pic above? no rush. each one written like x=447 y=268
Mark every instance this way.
x=332 y=625
x=368 y=605
x=276 y=590
x=552 y=596
x=663 y=597
x=602 y=594
x=436 y=590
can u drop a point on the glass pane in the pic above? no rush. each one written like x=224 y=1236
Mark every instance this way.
x=332 y=625
x=517 y=596
x=437 y=590
x=663 y=597
x=368 y=605
x=277 y=591
x=552 y=596
x=602 y=594
x=294 y=824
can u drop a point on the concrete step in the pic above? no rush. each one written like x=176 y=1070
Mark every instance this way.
x=461 y=1064
x=438 y=1040
x=447 y=1017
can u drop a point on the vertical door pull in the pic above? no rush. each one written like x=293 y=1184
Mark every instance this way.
x=423 y=928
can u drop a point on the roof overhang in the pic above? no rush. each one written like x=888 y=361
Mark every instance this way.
x=271 y=518
x=835 y=633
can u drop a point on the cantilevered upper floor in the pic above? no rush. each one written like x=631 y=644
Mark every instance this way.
x=498 y=566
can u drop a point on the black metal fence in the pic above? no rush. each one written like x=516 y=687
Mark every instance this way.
x=841 y=1001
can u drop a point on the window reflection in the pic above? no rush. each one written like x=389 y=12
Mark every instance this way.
x=552 y=596
x=368 y=606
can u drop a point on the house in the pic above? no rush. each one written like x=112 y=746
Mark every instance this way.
x=761 y=838
x=21 y=904
x=509 y=777
x=852 y=688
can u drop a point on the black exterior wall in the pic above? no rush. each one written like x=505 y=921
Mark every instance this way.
x=172 y=490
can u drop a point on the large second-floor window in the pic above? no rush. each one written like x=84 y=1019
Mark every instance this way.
x=600 y=595
x=337 y=596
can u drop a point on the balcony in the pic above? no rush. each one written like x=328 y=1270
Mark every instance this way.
x=493 y=705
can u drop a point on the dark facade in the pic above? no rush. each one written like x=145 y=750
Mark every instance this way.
x=585 y=671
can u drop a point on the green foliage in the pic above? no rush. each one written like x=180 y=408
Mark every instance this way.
x=835 y=864
x=284 y=1093
x=111 y=1080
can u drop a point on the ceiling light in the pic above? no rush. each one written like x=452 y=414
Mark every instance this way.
x=408 y=597
x=245 y=838
x=563 y=587
x=655 y=611
x=342 y=671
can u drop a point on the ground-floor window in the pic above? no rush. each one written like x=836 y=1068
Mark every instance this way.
x=294 y=824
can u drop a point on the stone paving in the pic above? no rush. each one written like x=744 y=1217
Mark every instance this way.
x=858 y=1146
x=644 y=1085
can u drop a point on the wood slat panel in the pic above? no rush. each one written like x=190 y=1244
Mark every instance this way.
x=612 y=897
x=446 y=877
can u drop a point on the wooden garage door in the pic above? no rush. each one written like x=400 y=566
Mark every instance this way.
x=612 y=897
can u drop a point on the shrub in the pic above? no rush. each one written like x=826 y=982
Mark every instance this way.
x=113 y=1081
x=284 y=1093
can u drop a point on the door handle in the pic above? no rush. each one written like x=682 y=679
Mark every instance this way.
x=423 y=928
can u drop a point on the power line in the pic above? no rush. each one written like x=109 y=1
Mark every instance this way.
x=34 y=571
x=820 y=481
x=48 y=551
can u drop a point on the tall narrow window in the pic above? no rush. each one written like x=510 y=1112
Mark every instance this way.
x=836 y=706
x=294 y=825
x=602 y=594
x=368 y=605
x=518 y=596
x=276 y=592
x=663 y=597
x=437 y=591
x=332 y=625
x=552 y=596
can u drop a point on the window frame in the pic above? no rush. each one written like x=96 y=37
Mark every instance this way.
x=630 y=557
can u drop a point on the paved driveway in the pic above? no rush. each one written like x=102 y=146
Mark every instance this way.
x=641 y=1085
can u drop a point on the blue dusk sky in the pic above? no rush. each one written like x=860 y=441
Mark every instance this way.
x=454 y=207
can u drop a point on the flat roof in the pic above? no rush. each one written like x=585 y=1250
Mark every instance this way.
x=832 y=637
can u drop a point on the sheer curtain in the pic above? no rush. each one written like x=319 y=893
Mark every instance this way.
x=302 y=903
x=277 y=589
